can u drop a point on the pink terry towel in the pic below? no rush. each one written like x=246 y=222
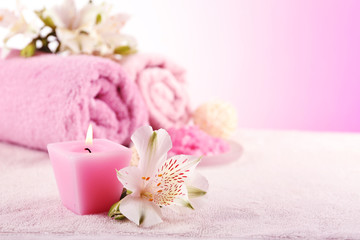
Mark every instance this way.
x=163 y=87
x=51 y=98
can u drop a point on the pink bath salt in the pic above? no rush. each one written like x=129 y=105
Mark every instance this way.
x=193 y=141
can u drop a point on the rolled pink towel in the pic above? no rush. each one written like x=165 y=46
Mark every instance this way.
x=51 y=98
x=163 y=87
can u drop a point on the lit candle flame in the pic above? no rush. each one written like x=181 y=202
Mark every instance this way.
x=89 y=135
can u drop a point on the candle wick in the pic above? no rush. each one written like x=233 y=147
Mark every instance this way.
x=88 y=150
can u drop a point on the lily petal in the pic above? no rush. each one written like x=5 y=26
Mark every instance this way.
x=186 y=162
x=152 y=147
x=7 y=18
x=117 y=39
x=62 y=14
x=140 y=211
x=68 y=40
x=5 y=51
x=114 y=23
x=86 y=18
x=184 y=202
x=87 y=43
x=130 y=177
x=169 y=182
x=197 y=185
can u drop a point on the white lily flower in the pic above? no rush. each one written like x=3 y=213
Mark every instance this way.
x=27 y=25
x=88 y=30
x=65 y=15
x=76 y=41
x=157 y=181
x=73 y=27
x=109 y=31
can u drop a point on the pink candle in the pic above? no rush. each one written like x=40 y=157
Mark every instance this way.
x=85 y=173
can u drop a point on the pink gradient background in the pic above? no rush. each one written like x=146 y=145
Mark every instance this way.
x=283 y=64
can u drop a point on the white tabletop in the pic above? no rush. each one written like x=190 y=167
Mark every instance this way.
x=287 y=184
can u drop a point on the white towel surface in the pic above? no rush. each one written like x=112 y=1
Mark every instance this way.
x=289 y=185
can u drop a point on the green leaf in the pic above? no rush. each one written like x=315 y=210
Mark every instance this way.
x=142 y=218
x=114 y=210
x=124 y=50
x=119 y=217
x=46 y=20
x=152 y=145
x=49 y=22
x=98 y=19
x=115 y=213
x=188 y=205
x=194 y=192
x=185 y=203
x=29 y=50
x=123 y=194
